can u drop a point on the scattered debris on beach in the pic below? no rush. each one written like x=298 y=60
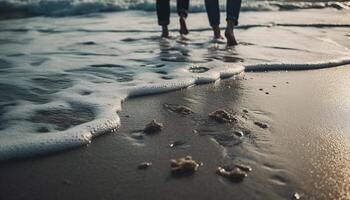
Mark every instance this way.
x=179 y=109
x=222 y=116
x=296 y=195
x=184 y=166
x=234 y=174
x=238 y=133
x=274 y=86
x=177 y=143
x=245 y=110
x=261 y=89
x=262 y=125
x=153 y=127
x=144 y=165
x=267 y=93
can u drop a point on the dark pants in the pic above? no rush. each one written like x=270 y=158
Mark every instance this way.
x=232 y=11
x=163 y=10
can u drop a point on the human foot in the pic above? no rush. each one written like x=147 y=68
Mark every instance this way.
x=165 y=32
x=230 y=37
x=183 y=26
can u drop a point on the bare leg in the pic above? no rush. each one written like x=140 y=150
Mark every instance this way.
x=163 y=15
x=217 y=32
x=165 y=32
x=183 y=26
x=229 y=34
x=182 y=10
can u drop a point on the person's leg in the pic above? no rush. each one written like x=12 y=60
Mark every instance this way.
x=213 y=11
x=163 y=14
x=182 y=10
x=232 y=11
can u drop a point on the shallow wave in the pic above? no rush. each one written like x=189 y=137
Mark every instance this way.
x=79 y=7
x=298 y=66
x=72 y=89
x=243 y=26
x=108 y=121
x=13 y=146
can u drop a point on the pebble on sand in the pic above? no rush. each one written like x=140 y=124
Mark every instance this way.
x=144 y=165
x=261 y=89
x=267 y=93
x=222 y=116
x=296 y=195
x=177 y=143
x=179 y=109
x=235 y=174
x=238 y=133
x=184 y=166
x=245 y=110
x=262 y=125
x=153 y=127
x=274 y=86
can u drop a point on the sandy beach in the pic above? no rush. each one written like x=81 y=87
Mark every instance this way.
x=305 y=149
x=80 y=82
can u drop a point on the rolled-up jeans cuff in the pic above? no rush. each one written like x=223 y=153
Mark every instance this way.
x=164 y=23
x=233 y=19
x=182 y=13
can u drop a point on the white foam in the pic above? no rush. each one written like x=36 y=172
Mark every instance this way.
x=16 y=144
x=34 y=144
x=78 y=7
x=102 y=75
x=298 y=66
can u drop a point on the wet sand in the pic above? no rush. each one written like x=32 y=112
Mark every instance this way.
x=304 y=150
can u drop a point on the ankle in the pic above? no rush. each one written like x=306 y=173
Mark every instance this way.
x=165 y=31
x=217 y=32
x=230 y=25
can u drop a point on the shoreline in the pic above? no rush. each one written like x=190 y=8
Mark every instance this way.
x=281 y=156
x=89 y=85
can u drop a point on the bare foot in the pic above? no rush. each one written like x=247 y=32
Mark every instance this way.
x=217 y=33
x=183 y=26
x=231 y=40
x=165 y=32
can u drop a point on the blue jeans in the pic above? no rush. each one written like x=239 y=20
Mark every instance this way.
x=232 y=11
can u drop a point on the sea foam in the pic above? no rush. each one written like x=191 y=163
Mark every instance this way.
x=61 y=86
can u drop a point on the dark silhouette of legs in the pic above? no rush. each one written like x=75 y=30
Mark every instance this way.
x=163 y=15
x=232 y=12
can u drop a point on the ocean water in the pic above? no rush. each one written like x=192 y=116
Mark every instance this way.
x=67 y=66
